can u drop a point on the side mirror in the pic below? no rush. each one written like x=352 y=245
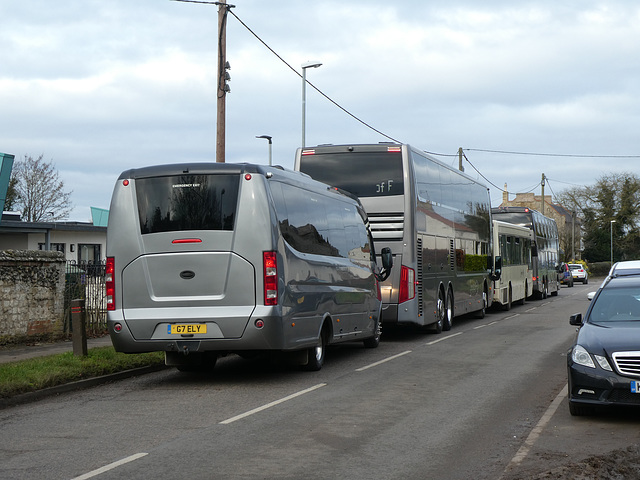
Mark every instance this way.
x=534 y=250
x=497 y=269
x=576 y=319
x=387 y=258
x=387 y=264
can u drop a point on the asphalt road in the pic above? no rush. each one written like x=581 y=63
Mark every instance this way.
x=483 y=401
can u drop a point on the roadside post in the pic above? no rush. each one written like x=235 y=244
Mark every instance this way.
x=78 y=324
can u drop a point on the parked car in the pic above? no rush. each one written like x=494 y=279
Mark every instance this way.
x=579 y=273
x=632 y=266
x=604 y=364
x=564 y=275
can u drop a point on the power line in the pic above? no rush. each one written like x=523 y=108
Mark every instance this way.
x=311 y=84
x=503 y=152
x=549 y=154
x=478 y=171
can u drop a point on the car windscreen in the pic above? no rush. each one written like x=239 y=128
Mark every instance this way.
x=364 y=174
x=616 y=305
x=187 y=202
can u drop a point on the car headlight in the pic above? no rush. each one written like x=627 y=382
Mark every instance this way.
x=582 y=357
x=603 y=362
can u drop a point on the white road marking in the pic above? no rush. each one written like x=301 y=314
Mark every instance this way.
x=444 y=338
x=272 y=404
x=537 y=430
x=388 y=359
x=487 y=324
x=111 y=466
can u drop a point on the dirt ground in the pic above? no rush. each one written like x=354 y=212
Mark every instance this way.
x=622 y=464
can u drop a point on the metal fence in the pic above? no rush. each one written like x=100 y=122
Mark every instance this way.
x=85 y=280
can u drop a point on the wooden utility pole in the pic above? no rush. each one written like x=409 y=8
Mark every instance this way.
x=542 y=206
x=222 y=87
x=460 y=155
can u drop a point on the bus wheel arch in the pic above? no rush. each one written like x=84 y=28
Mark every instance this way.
x=440 y=310
x=524 y=297
x=373 y=342
x=507 y=305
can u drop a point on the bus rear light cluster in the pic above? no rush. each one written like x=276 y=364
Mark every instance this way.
x=270 y=278
x=407 y=284
x=110 y=283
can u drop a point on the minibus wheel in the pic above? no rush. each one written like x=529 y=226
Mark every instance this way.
x=315 y=355
x=374 y=341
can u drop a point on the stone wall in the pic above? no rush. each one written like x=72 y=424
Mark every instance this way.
x=31 y=294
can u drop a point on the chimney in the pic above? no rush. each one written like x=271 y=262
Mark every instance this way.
x=505 y=195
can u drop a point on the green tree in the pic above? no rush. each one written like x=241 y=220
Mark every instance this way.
x=39 y=191
x=12 y=196
x=614 y=197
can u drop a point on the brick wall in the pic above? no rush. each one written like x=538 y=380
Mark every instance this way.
x=31 y=294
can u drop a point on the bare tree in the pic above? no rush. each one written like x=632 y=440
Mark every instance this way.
x=39 y=191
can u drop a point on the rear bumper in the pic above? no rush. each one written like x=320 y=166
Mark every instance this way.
x=268 y=337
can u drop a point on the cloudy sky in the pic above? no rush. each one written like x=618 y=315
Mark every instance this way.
x=100 y=86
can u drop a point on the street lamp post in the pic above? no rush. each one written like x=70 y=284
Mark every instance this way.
x=304 y=94
x=612 y=222
x=268 y=138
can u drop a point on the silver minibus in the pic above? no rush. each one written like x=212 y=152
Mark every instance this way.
x=207 y=259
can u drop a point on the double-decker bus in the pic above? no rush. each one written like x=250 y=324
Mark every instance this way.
x=436 y=220
x=512 y=244
x=545 y=250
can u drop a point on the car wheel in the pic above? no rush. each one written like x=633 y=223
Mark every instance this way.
x=585 y=281
x=448 y=313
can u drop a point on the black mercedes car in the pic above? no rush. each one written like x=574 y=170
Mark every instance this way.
x=604 y=363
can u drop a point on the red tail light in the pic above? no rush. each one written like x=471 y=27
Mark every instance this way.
x=270 y=278
x=110 y=283
x=407 y=284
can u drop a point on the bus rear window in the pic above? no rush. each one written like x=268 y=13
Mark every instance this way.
x=376 y=174
x=187 y=202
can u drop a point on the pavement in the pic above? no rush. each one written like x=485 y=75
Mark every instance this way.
x=25 y=352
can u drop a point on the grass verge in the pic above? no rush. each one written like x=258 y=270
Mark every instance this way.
x=52 y=370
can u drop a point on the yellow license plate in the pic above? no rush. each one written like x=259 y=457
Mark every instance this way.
x=186 y=328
